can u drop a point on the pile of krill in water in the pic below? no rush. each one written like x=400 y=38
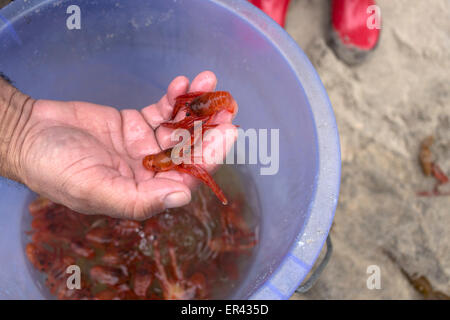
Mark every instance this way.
x=184 y=253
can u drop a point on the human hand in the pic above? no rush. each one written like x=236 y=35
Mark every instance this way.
x=89 y=157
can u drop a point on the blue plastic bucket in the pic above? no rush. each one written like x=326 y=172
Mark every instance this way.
x=126 y=53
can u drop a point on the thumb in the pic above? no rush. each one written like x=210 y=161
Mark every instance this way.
x=158 y=194
x=122 y=197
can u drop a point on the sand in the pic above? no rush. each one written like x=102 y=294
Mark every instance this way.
x=384 y=108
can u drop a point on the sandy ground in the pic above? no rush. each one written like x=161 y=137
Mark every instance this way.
x=384 y=108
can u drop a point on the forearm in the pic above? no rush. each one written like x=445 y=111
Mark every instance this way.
x=15 y=110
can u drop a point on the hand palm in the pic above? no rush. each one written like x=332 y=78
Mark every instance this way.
x=89 y=157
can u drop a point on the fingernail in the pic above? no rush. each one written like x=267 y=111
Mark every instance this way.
x=176 y=199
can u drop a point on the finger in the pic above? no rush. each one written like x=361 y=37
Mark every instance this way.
x=172 y=175
x=139 y=141
x=205 y=81
x=176 y=88
x=158 y=194
x=165 y=138
x=139 y=138
x=216 y=144
x=225 y=116
x=160 y=112
x=120 y=197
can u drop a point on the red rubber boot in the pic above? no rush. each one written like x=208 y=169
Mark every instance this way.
x=355 y=29
x=276 y=9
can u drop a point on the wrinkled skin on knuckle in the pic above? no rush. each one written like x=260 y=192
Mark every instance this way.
x=143 y=210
